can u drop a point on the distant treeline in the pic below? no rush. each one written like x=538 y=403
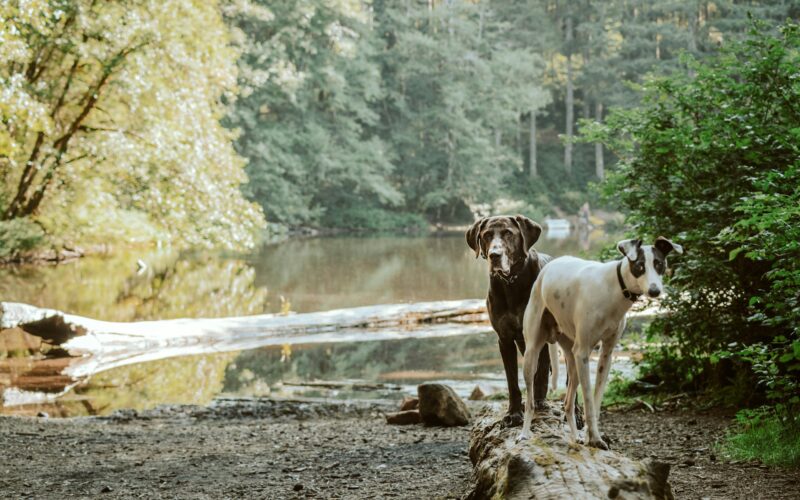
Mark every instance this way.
x=362 y=114
x=125 y=121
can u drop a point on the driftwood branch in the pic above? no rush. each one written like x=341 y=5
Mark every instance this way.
x=549 y=466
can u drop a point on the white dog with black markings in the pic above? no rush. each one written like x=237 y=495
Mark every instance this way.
x=580 y=303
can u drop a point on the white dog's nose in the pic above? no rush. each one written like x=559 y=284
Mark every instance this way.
x=653 y=291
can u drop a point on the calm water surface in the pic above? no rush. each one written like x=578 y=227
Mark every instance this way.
x=302 y=275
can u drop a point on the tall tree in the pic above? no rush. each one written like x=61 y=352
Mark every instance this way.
x=311 y=89
x=569 y=101
x=456 y=90
x=110 y=122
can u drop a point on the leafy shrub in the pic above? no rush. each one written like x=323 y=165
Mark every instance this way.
x=374 y=219
x=17 y=236
x=712 y=160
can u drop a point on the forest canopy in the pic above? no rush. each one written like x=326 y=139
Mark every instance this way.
x=374 y=115
x=189 y=122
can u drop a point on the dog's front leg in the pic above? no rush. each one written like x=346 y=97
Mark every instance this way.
x=508 y=351
x=603 y=369
x=581 y=353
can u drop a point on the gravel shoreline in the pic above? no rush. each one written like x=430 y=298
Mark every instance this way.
x=266 y=448
x=245 y=449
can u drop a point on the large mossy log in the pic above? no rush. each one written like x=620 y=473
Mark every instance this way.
x=548 y=466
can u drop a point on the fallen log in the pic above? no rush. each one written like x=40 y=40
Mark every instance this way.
x=549 y=466
x=103 y=345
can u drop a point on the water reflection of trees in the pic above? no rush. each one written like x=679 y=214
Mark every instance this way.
x=449 y=357
x=114 y=288
x=185 y=380
x=313 y=274
x=327 y=273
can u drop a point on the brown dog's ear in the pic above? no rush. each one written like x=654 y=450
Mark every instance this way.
x=530 y=231
x=665 y=246
x=473 y=236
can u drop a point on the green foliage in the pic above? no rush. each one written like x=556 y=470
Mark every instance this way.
x=18 y=235
x=764 y=436
x=111 y=111
x=110 y=120
x=618 y=390
x=374 y=219
x=455 y=89
x=712 y=160
x=351 y=112
x=310 y=90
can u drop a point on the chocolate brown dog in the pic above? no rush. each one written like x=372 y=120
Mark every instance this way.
x=507 y=244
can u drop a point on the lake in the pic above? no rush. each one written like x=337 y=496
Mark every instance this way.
x=301 y=275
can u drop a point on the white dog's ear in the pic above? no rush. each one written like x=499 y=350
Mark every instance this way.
x=665 y=246
x=629 y=248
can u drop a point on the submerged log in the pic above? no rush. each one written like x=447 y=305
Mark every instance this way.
x=104 y=344
x=549 y=466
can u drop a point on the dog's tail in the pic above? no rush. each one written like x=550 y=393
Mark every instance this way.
x=553 y=348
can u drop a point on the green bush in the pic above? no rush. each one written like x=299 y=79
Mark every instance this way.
x=374 y=219
x=17 y=236
x=711 y=159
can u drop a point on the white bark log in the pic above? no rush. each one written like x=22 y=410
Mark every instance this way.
x=111 y=344
x=548 y=466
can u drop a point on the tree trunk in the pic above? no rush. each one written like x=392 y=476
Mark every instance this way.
x=549 y=466
x=533 y=167
x=521 y=139
x=569 y=101
x=599 y=162
x=693 y=24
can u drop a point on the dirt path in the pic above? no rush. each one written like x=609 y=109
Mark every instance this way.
x=293 y=452
x=268 y=449
x=687 y=439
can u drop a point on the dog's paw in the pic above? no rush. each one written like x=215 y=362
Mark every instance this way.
x=597 y=443
x=512 y=419
x=524 y=435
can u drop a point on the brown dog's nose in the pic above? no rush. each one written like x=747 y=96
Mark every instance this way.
x=653 y=292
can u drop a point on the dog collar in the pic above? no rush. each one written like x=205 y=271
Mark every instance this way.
x=633 y=297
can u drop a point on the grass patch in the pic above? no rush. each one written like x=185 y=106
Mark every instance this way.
x=618 y=391
x=764 y=436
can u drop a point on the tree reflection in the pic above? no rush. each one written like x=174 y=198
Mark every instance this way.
x=116 y=288
x=397 y=361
